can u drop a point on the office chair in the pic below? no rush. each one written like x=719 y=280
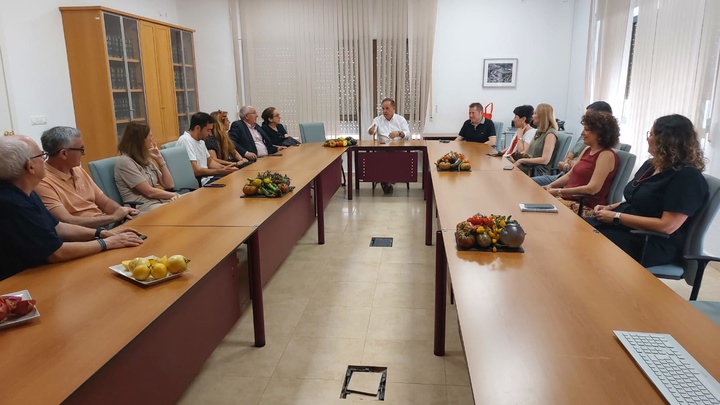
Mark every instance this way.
x=561 y=148
x=168 y=145
x=710 y=309
x=692 y=266
x=179 y=165
x=315 y=132
x=624 y=147
x=626 y=163
x=103 y=174
x=498 y=133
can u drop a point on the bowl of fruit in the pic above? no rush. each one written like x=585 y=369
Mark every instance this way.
x=453 y=162
x=152 y=269
x=267 y=185
x=340 y=142
x=493 y=233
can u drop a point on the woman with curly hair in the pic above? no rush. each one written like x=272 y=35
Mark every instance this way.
x=668 y=190
x=595 y=171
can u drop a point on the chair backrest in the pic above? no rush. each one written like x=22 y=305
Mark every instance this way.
x=624 y=147
x=561 y=148
x=168 y=145
x=626 y=163
x=103 y=174
x=698 y=227
x=312 y=132
x=179 y=165
x=498 y=135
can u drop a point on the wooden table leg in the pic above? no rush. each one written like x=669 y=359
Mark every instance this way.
x=319 y=208
x=256 y=292
x=349 y=181
x=440 y=294
x=428 y=213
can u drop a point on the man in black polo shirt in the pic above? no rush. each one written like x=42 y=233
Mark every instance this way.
x=30 y=235
x=477 y=128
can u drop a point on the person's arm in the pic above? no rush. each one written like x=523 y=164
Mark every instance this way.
x=492 y=134
x=165 y=179
x=604 y=165
x=491 y=141
x=214 y=169
x=62 y=214
x=213 y=156
x=110 y=207
x=548 y=150
x=235 y=134
x=152 y=193
x=667 y=224
x=80 y=242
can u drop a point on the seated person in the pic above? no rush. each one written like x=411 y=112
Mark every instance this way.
x=477 y=128
x=275 y=130
x=67 y=190
x=220 y=146
x=574 y=154
x=542 y=147
x=524 y=134
x=141 y=174
x=389 y=127
x=596 y=168
x=249 y=139
x=203 y=165
x=30 y=235
x=667 y=191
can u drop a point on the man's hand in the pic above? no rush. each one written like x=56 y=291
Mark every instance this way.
x=279 y=148
x=123 y=239
x=229 y=168
x=250 y=155
x=124 y=213
x=108 y=233
x=371 y=131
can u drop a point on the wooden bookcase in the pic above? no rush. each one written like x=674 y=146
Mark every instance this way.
x=122 y=69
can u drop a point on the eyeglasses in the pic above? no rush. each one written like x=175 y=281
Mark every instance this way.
x=44 y=156
x=276 y=116
x=80 y=149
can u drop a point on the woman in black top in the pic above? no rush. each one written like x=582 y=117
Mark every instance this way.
x=273 y=128
x=668 y=190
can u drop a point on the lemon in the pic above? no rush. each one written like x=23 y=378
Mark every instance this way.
x=177 y=264
x=152 y=261
x=267 y=180
x=159 y=271
x=163 y=260
x=141 y=272
x=126 y=264
x=257 y=182
x=137 y=262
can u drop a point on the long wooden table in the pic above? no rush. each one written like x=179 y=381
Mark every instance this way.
x=100 y=338
x=537 y=327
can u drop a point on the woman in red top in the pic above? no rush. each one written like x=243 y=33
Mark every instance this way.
x=593 y=174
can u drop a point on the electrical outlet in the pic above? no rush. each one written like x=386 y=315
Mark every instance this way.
x=38 y=120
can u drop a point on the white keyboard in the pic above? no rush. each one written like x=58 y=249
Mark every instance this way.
x=675 y=373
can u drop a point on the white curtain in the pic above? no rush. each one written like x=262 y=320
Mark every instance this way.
x=335 y=60
x=609 y=32
x=666 y=66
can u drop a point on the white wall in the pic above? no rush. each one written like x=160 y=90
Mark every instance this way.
x=540 y=34
x=217 y=82
x=36 y=61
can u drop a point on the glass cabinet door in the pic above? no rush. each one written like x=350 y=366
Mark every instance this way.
x=184 y=73
x=126 y=75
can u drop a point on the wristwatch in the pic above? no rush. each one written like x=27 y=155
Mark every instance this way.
x=616 y=218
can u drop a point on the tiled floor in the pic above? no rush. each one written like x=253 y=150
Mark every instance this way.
x=347 y=303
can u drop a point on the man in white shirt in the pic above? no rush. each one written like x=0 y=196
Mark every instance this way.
x=193 y=140
x=389 y=127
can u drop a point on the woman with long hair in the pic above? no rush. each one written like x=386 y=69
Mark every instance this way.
x=665 y=193
x=542 y=146
x=219 y=144
x=596 y=168
x=141 y=173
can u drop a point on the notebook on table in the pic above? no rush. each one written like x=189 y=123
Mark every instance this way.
x=538 y=208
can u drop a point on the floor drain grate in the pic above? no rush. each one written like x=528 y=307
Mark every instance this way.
x=367 y=378
x=377 y=241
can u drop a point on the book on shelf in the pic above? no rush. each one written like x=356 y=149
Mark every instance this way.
x=538 y=208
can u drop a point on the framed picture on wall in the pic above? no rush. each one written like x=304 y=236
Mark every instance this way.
x=500 y=72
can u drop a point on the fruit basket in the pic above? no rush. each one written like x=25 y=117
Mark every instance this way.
x=453 y=162
x=152 y=269
x=340 y=142
x=493 y=233
x=267 y=185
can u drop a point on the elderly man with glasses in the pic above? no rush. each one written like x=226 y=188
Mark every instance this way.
x=30 y=235
x=67 y=190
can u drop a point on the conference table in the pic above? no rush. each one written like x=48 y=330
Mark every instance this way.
x=101 y=339
x=537 y=327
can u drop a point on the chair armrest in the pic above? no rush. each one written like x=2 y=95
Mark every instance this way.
x=702 y=258
x=581 y=196
x=649 y=233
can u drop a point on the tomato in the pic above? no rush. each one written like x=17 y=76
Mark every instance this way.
x=249 y=189
x=338 y=143
x=476 y=220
